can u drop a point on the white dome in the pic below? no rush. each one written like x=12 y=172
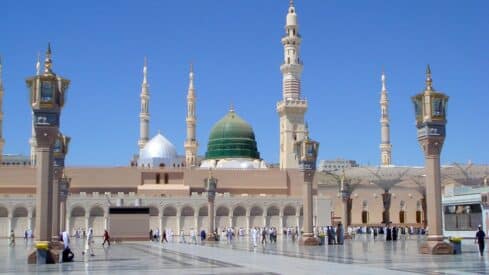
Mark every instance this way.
x=158 y=150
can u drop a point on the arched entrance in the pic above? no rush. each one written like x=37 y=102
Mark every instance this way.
x=19 y=220
x=77 y=219
x=222 y=218
x=256 y=216
x=187 y=219
x=239 y=216
x=273 y=217
x=97 y=221
x=170 y=219
x=203 y=218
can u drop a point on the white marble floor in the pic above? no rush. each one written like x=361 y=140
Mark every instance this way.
x=360 y=256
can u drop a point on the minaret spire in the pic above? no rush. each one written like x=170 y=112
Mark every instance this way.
x=385 y=143
x=144 y=114
x=429 y=81
x=48 y=63
x=191 y=144
x=2 y=141
x=38 y=64
x=292 y=107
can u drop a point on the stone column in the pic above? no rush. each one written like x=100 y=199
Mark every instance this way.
x=433 y=191
x=344 y=216
x=62 y=216
x=298 y=220
x=44 y=192
x=55 y=207
x=161 y=223
x=106 y=222
x=307 y=194
x=281 y=224
x=386 y=201
x=10 y=223
x=265 y=220
x=179 y=217
x=248 y=224
x=210 y=213
x=231 y=221
x=29 y=220
x=68 y=223
x=196 y=221
x=87 y=222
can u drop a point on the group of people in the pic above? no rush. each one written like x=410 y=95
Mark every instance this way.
x=264 y=234
x=401 y=232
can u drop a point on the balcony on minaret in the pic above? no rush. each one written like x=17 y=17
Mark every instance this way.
x=292 y=105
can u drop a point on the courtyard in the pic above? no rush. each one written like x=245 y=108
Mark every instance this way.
x=360 y=256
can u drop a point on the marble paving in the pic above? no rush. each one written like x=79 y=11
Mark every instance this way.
x=360 y=256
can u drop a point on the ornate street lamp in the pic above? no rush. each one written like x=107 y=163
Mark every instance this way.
x=211 y=188
x=307 y=152
x=47 y=98
x=430 y=109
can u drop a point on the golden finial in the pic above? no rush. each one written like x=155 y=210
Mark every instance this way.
x=429 y=81
x=48 y=64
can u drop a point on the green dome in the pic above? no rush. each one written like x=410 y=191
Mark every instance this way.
x=232 y=137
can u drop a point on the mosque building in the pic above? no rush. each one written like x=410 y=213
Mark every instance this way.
x=250 y=192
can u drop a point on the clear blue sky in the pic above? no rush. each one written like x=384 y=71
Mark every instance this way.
x=236 y=49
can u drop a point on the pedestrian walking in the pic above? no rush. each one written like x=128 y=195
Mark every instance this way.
x=479 y=238
x=340 y=233
x=106 y=238
x=254 y=236
x=163 y=238
x=89 y=243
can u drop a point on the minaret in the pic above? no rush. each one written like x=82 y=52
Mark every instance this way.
x=292 y=107
x=32 y=140
x=2 y=141
x=144 y=114
x=191 y=143
x=385 y=140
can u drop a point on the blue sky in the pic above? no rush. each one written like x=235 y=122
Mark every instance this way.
x=236 y=49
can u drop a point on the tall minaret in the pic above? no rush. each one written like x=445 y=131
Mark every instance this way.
x=144 y=114
x=385 y=140
x=32 y=140
x=191 y=143
x=291 y=108
x=2 y=141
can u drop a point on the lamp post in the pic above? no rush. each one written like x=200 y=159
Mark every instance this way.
x=430 y=110
x=345 y=192
x=47 y=97
x=307 y=151
x=211 y=187
x=60 y=150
